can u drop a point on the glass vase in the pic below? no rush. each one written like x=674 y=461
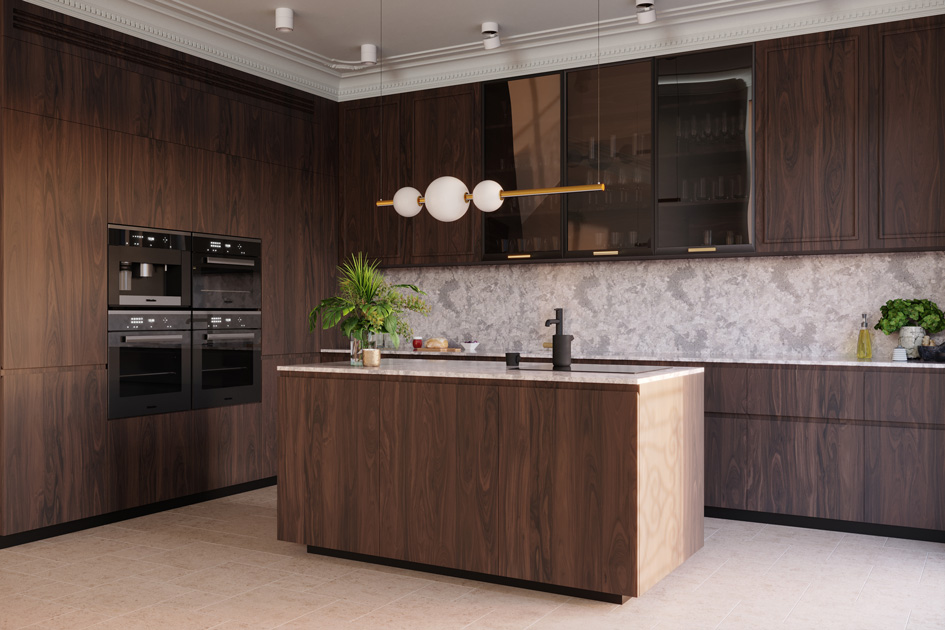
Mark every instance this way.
x=357 y=356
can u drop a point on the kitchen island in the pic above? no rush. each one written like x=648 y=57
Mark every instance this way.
x=587 y=483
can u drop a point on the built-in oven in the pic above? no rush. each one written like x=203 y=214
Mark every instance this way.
x=148 y=268
x=226 y=273
x=227 y=347
x=149 y=362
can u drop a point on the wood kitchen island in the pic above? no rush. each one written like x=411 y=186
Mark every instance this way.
x=586 y=483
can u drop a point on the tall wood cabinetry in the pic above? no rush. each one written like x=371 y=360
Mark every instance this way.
x=127 y=132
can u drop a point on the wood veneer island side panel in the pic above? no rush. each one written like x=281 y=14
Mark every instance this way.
x=597 y=487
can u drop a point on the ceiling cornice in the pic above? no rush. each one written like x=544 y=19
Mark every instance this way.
x=177 y=25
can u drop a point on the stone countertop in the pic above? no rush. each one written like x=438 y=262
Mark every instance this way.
x=431 y=368
x=837 y=361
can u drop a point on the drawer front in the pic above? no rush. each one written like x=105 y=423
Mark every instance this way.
x=910 y=396
x=802 y=392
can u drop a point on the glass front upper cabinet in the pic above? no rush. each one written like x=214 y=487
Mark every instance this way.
x=704 y=140
x=610 y=140
x=522 y=150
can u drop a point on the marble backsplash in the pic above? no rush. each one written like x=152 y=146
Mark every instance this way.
x=793 y=307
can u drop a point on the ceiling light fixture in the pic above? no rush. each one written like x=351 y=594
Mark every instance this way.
x=646 y=12
x=447 y=198
x=490 y=35
x=368 y=54
x=285 y=20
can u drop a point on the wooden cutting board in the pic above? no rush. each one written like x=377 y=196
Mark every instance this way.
x=438 y=349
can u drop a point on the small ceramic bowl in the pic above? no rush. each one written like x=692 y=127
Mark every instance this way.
x=470 y=346
x=932 y=354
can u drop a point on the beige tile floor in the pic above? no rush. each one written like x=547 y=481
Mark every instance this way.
x=218 y=565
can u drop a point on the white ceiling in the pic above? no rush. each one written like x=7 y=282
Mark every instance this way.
x=426 y=43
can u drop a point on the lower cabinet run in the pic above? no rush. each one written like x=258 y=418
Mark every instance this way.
x=596 y=488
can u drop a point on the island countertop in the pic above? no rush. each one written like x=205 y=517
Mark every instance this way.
x=493 y=370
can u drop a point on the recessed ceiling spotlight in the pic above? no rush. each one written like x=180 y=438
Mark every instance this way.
x=490 y=35
x=646 y=12
x=284 y=20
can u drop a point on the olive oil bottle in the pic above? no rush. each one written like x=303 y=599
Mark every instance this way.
x=864 y=344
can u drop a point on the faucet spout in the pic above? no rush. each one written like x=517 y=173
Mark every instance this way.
x=557 y=322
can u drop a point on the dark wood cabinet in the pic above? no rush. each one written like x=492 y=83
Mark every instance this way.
x=442 y=130
x=812 y=142
x=905 y=476
x=805 y=392
x=239 y=187
x=229 y=445
x=907 y=76
x=372 y=161
x=54 y=246
x=53 y=434
x=332 y=454
x=156 y=184
x=154 y=458
x=914 y=397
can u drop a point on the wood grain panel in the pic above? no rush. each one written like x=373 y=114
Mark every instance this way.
x=527 y=494
x=153 y=458
x=54 y=84
x=328 y=432
x=54 y=289
x=272 y=224
x=378 y=232
x=443 y=132
x=909 y=72
x=812 y=139
x=796 y=391
x=238 y=187
x=810 y=469
x=477 y=478
x=302 y=145
x=54 y=440
x=670 y=482
x=730 y=473
x=906 y=396
x=905 y=476
x=327 y=127
x=726 y=389
x=325 y=256
x=155 y=184
x=619 y=491
x=229 y=443
x=304 y=262
x=268 y=423
x=419 y=473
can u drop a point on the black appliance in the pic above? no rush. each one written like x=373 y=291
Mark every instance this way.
x=148 y=267
x=227 y=348
x=149 y=362
x=226 y=273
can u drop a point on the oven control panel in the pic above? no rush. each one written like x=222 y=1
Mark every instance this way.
x=148 y=320
x=227 y=246
x=227 y=320
x=122 y=236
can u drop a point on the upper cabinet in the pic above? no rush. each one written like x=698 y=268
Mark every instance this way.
x=812 y=142
x=610 y=140
x=704 y=144
x=907 y=73
x=522 y=150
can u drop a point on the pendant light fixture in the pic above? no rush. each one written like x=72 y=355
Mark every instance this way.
x=447 y=198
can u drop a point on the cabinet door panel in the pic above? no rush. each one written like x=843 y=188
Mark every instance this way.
x=443 y=130
x=54 y=254
x=239 y=186
x=726 y=389
x=305 y=263
x=812 y=142
x=910 y=396
x=268 y=423
x=477 y=478
x=229 y=441
x=905 y=476
x=805 y=392
x=54 y=448
x=729 y=475
x=152 y=458
x=909 y=70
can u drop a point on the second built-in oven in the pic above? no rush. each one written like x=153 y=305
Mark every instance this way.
x=227 y=365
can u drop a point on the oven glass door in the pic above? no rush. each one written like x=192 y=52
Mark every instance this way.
x=226 y=282
x=227 y=368
x=148 y=373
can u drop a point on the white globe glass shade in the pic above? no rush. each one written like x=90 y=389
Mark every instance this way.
x=486 y=195
x=405 y=202
x=445 y=199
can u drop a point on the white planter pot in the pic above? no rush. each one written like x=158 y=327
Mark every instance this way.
x=909 y=338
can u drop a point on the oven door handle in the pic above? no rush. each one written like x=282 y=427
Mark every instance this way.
x=229 y=336
x=150 y=338
x=233 y=263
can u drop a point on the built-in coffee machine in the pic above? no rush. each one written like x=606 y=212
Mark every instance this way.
x=148 y=268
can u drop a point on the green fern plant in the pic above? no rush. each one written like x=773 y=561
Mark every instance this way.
x=367 y=304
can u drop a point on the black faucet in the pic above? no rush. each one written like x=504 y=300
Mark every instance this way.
x=560 y=342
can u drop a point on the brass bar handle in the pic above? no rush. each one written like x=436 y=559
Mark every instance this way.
x=693 y=250
x=609 y=252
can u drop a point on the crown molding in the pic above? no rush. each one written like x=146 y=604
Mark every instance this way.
x=706 y=24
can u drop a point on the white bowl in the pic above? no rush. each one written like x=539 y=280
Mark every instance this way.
x=470 y=347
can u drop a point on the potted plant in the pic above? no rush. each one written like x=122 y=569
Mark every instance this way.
x=367 y=305
x=913 y=319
